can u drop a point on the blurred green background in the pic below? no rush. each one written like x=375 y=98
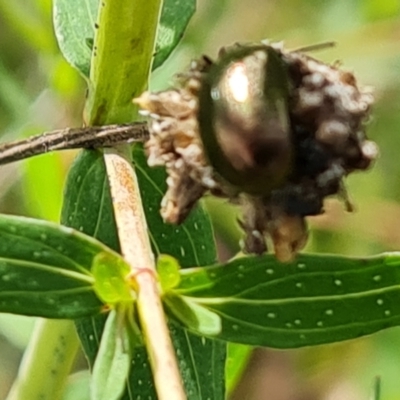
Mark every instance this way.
x=39 y=92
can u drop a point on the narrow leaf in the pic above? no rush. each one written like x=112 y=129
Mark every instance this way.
x=87 y=207
x=74 y=23
x=45 y=269
x=175 y=16
x=87 y=194
x=111 y=367
x=192 y=314
x=317 y=299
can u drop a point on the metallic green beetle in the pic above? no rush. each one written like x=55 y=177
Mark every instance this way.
x=243 y=119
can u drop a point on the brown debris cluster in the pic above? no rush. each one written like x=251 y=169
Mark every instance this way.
x=327 y=112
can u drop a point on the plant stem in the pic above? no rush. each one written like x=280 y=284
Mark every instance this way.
x=47 y=361
x=135 y=246
x=124 y=44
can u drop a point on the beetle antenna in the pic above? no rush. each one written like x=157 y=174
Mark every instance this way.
x=314 y=47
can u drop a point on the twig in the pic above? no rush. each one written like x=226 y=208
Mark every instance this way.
x=135 y=247
x=73 y=138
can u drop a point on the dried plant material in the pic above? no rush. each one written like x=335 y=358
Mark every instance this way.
x=323 y=117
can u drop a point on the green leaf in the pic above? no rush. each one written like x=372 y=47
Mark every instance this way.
x=110 y=284
x=317 y=299
x=75 y=28
x=168 y=272
x=111 y=367
x=74 y=23
x=192 y=314
x=87 y=207
x=87 y=199
x=45 y=269
x=175 y=17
